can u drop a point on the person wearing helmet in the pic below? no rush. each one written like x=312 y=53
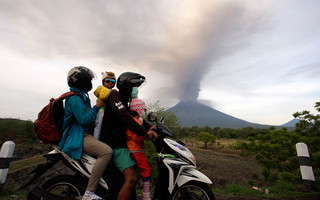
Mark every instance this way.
x=79 y=115
x=116 y=121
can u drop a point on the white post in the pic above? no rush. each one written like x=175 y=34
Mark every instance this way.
x=305 y=166
x=5 y=155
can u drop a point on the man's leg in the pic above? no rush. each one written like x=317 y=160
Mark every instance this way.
x=130 y=181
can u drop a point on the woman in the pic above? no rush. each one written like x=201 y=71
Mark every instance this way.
x=78 y=118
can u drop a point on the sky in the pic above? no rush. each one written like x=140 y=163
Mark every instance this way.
x=257 y=60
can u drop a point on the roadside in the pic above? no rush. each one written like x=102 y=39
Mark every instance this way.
x=223 y=167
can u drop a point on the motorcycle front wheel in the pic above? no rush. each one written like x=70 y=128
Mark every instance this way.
x=66 y=187
x=193 y=190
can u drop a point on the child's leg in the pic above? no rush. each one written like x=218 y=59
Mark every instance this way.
x=146 y=188
x=145 y=171
x=98 y=124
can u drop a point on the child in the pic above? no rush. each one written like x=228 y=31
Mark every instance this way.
x=78 y=140
x=102 y=92
x=136 y=146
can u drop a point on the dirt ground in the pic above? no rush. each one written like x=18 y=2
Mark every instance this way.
x=226 y=166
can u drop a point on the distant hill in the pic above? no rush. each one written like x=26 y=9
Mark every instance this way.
x=291 y=123
x=16 y=130
x=195 y=114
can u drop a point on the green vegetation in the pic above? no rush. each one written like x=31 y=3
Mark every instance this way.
x=273 y=149
x=20 y=164
x=171 y=121
x=18 y=131
x=12 y=194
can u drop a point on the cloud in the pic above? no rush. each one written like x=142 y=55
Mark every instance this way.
x=305 y=71
x=183 y=38
x=211 y=51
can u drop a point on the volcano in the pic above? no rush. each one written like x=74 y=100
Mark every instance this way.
x=191 y=113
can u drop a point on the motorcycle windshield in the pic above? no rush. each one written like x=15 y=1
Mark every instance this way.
x=164 y=130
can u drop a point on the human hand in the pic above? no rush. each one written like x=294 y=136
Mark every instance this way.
x=151 y=133
x=100 y=103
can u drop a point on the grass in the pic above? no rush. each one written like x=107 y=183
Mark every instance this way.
x=8 y=194
x=20 y=164
x=282 y=190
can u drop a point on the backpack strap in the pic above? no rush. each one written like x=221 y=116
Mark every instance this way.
x=71 y=93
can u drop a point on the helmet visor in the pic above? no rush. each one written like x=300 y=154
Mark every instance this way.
x=143 y=84
x=82 y=71
x=138 y=82
x=92 y=74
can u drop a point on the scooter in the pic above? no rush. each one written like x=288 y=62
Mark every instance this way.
x=178 y=177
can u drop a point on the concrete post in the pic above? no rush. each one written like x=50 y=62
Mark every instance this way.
x=5 y=155
x=305 y=166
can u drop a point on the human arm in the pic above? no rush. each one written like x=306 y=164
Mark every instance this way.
x=121 y=112
x=146 y=125
x=151 y=133
x=100 y=103
x=82 y=112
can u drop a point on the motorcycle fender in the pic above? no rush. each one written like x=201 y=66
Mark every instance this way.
x=181 y=172
x=191 y=174
x=84 y=165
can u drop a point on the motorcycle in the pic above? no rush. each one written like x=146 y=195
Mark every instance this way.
x=178 y=177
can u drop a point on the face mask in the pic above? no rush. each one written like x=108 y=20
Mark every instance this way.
x=134 y=93
x=141 y=116
x=141 y=119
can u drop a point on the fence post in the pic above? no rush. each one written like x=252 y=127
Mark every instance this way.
x=305 y=166
x=5 y=155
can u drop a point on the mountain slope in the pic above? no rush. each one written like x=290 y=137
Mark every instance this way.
x=291 y=123
x=196 y=114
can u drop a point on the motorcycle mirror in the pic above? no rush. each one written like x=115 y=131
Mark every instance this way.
x=152 y=117
x=162 y=120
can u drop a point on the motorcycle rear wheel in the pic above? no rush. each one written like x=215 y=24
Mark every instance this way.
x=67 y=187
x=193 y=190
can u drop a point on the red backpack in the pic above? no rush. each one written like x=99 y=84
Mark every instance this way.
x=48 y=126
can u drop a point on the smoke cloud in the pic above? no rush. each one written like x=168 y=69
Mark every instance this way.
x=179 y=39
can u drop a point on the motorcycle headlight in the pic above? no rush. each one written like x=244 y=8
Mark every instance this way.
x=190 y=156
x=182 y=150
x=193 y=159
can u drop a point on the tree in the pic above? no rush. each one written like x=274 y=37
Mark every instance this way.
x=170 y=119
x=275 y=150
x=206 y=138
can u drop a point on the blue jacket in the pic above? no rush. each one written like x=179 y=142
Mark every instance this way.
x=84 y=115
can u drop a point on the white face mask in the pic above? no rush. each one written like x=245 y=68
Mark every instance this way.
x=141 y=119
x=141 y=116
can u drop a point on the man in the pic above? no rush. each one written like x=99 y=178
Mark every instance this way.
x=117 y=119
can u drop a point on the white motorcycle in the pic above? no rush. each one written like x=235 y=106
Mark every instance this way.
x=178 y=177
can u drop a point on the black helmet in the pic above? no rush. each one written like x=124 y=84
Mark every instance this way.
x=126 y=81
x=80 y=77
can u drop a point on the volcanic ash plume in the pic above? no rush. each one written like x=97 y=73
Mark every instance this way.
x=206 y=33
